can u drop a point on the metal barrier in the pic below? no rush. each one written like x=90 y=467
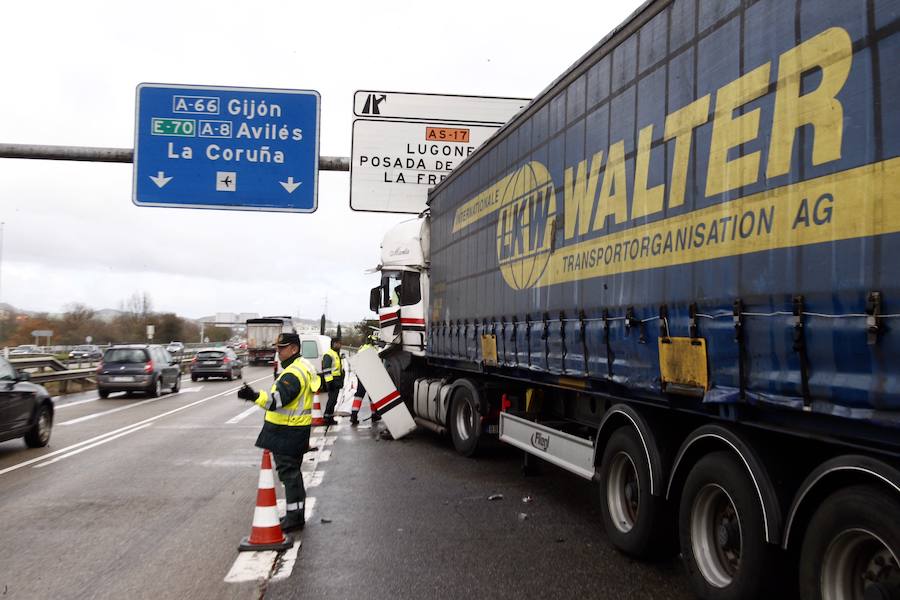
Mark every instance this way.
x=49 y=370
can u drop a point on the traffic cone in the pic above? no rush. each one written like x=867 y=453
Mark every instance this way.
x=317 y=419
x=266 y=531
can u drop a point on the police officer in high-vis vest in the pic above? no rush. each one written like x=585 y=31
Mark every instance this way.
x=285 y=432
x=334 y=378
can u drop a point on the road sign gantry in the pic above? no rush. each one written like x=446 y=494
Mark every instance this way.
x=226 y=148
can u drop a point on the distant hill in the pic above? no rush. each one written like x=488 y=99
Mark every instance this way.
x=108 y=314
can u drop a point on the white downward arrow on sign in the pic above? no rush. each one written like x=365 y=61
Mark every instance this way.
x=290 y=185
x=160 y=180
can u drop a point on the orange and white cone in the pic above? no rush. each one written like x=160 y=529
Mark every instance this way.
x=266 y=531
x=317 y=419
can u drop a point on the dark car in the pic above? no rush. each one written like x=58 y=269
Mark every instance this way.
x=86 y=351
x=26 y=409
x=144 y=368
x=216 y=362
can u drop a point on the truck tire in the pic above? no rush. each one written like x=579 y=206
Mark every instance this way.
x=465 y=422
x=721 y=532
x=39 y=435
x=635 y=520
x=103 y=393
x=850 y=550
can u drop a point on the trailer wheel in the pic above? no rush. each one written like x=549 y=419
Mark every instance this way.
x=632 y=517
x=465 y=422
x=850 y=551
x=721 y=532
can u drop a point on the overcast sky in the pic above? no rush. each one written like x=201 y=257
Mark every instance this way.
x=69 y=74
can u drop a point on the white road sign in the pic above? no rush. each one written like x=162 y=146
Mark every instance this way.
x=447 y=108
x=404 y=143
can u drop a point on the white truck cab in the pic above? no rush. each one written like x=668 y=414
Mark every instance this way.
x=402 y=296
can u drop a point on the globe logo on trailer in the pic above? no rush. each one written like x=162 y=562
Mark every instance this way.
x=525 y=226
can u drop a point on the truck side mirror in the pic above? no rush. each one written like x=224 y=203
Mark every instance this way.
x=374 y=298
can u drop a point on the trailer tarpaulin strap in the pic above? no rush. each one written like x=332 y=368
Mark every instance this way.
x=562 y=339
x=609 y=353
x=528 y=337
x=738 y=310
x=800 y=348
x=582 y=326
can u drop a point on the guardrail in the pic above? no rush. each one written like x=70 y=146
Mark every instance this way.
x=49 y=370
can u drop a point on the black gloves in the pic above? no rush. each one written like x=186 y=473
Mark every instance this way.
x=247 y=393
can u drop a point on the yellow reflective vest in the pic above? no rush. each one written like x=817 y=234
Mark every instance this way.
x=335 y=365
x=296 y=411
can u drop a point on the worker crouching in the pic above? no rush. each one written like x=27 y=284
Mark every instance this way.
x=286 y=429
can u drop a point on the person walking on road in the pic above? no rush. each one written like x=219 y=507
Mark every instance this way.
x=285 y=432
x=361 y=389
x=334 y=378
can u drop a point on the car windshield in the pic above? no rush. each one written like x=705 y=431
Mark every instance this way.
x=210 y=354
x=125 y=355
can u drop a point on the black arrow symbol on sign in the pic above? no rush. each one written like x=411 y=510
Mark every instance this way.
x=372 y=102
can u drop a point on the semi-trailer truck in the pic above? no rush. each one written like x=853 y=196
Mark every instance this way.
x=262 y=333
x=676 y=274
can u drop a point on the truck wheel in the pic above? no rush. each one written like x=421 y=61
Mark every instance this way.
x=193 y=378
x=465 y=422
x=851 y=547
x=39 y=436
x=721 y=532
x=634 y=519
x=103 y=393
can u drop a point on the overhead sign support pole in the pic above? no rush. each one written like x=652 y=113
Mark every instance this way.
x=118 y=155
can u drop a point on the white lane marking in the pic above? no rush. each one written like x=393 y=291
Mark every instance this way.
x=324 y=456
x=88 y=447
x=76 y=403
x=95 y=399
x=251 y=566
x=128 y=406
x=287 y=562
x=313 y=479
x=115 y=410
x=243 y=415
x=119 y=430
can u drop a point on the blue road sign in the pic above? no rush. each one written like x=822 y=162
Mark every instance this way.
x=226 y=148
